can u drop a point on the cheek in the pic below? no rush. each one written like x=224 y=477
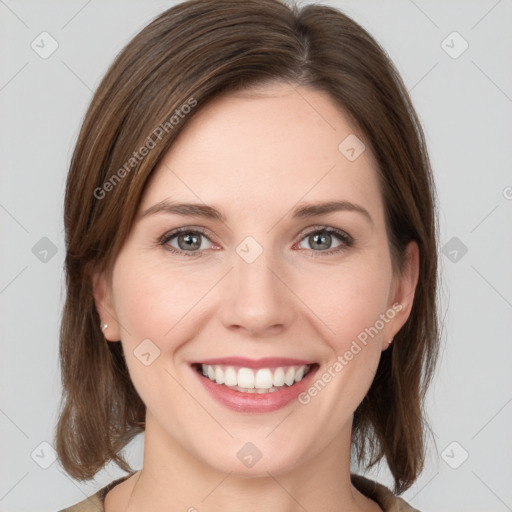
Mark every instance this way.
x=353 y=302
x=161 y=305
x=151 y=300
x=149 y=308
x=350 y=302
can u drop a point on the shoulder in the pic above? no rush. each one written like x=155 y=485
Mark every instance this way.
x=95 y=502
x=91 y=504
x=381 y=495
x=371 y=489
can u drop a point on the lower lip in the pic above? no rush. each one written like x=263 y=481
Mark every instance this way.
x=255 y=402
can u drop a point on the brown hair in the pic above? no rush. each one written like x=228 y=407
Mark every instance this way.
x=187 y=56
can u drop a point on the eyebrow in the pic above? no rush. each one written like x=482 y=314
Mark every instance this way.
x=315 y=209
x=303 y=211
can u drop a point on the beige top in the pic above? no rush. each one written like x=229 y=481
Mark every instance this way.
x=387 y=501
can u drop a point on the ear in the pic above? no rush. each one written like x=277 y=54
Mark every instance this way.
x=102 y=291
x=402 y=293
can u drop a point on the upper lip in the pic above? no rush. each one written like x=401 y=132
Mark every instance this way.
x=265 y=362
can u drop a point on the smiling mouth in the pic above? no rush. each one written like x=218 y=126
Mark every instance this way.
x=249 y=380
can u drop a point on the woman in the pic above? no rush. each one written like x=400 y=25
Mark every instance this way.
x=251 y=267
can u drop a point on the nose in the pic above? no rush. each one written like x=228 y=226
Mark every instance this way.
x=256 y=298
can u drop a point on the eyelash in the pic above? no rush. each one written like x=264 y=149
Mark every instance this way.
x=346 y=239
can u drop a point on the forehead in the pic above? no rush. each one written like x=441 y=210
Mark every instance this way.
x=273 y=146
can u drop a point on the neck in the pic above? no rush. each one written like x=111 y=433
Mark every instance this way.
x=173 y=479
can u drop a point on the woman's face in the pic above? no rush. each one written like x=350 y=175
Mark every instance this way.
x=257 y=272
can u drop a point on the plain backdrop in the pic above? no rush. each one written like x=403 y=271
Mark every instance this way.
x=455 y=60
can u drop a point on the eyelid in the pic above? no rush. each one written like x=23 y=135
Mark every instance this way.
x=169 y=235
x=329 y=229
x=346 y=240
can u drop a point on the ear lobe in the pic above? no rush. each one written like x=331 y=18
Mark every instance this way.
x=102 y=292
x=402 y=299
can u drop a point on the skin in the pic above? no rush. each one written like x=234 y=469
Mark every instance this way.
x=255 y=156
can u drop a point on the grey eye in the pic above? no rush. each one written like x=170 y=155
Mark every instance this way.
x=187 y=241
x=320 y=240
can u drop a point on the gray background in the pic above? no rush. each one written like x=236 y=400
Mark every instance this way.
x=465 y=105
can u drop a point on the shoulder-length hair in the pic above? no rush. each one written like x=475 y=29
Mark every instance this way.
x=178 y=63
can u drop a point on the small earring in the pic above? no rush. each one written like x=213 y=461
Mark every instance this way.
x=391 y=340
x=105 y=326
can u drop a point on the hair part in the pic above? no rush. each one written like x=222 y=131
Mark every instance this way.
x=195 y=52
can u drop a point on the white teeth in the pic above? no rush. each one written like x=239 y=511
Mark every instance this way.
x=230 y=378
x=219 y=375
x=262 y=380
x=278 y=379
x=289 y=378
x=245 y=378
